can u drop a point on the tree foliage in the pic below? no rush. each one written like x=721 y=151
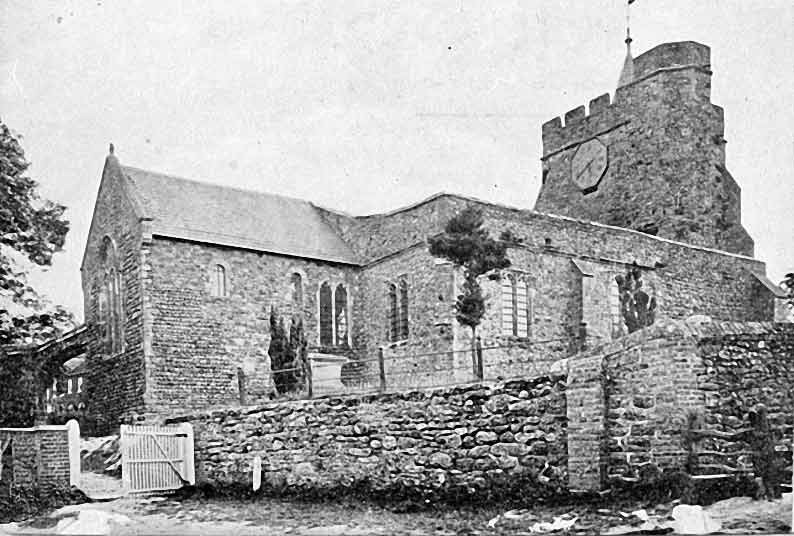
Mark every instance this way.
x=23 y=378
x=32 y=230
x=788 y=286
x=468 y=245
x=288 y=353
x=636 y=306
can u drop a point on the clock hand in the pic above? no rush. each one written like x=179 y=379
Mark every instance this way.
x=590 y=163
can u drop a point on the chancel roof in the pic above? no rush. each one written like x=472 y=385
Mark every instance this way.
x=204 y=212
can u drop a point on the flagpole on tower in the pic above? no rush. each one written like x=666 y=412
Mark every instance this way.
x=627 y=73
x=628 y=22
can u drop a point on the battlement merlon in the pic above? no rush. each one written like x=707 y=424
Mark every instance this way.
x=665 y=59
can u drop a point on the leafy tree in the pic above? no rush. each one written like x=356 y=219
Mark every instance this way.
x=32 y=230
x=788 y=286
x=468 y=246
x=636 y=306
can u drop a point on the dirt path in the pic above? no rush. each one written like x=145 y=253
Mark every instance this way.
x=158 y=515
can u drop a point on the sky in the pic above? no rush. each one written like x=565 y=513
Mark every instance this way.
x=365 y=106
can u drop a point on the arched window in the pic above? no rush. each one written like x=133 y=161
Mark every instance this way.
x=517 y=306
x=326 y=315
x=393 y=327
x=397 y=328
x=403 y=309
x=340 y=315
x=110 y=299
x=296 y=283
x=219 y=286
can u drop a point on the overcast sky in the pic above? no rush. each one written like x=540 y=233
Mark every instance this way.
x=364 y=106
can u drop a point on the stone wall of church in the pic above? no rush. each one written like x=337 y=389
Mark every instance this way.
x=688 y=279
x=571 y=267
x=115 y=382
x=423 y=356
x=199 y=341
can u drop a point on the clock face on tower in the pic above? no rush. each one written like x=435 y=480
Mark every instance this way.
x=588 y=165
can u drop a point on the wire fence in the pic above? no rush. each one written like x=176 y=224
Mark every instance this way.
x=386 y=371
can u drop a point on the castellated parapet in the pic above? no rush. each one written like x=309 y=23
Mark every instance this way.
x=658 y=160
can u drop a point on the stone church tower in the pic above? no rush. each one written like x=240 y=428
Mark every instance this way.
x=652 y=158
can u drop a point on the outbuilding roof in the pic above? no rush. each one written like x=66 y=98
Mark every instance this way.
x=203 y=212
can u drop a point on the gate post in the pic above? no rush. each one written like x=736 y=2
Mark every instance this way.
x=124 y=447
x=73 y=440
x=190 y=470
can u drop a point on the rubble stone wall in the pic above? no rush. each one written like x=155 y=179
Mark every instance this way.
x=465 y=439
x=637 y=400
x=741 y=369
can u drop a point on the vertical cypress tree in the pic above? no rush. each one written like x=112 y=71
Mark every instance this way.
x=278 y=352
x=298 y=351
x=469 y=247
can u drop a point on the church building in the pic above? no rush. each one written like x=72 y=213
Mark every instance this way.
x=179 y=276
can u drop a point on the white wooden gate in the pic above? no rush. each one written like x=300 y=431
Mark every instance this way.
x=156 y=458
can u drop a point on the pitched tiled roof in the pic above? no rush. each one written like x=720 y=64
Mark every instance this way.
x=203 y=212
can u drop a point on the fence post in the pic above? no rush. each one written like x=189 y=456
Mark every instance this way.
x=381 y=370
x=480 y=373
x=307 y=365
